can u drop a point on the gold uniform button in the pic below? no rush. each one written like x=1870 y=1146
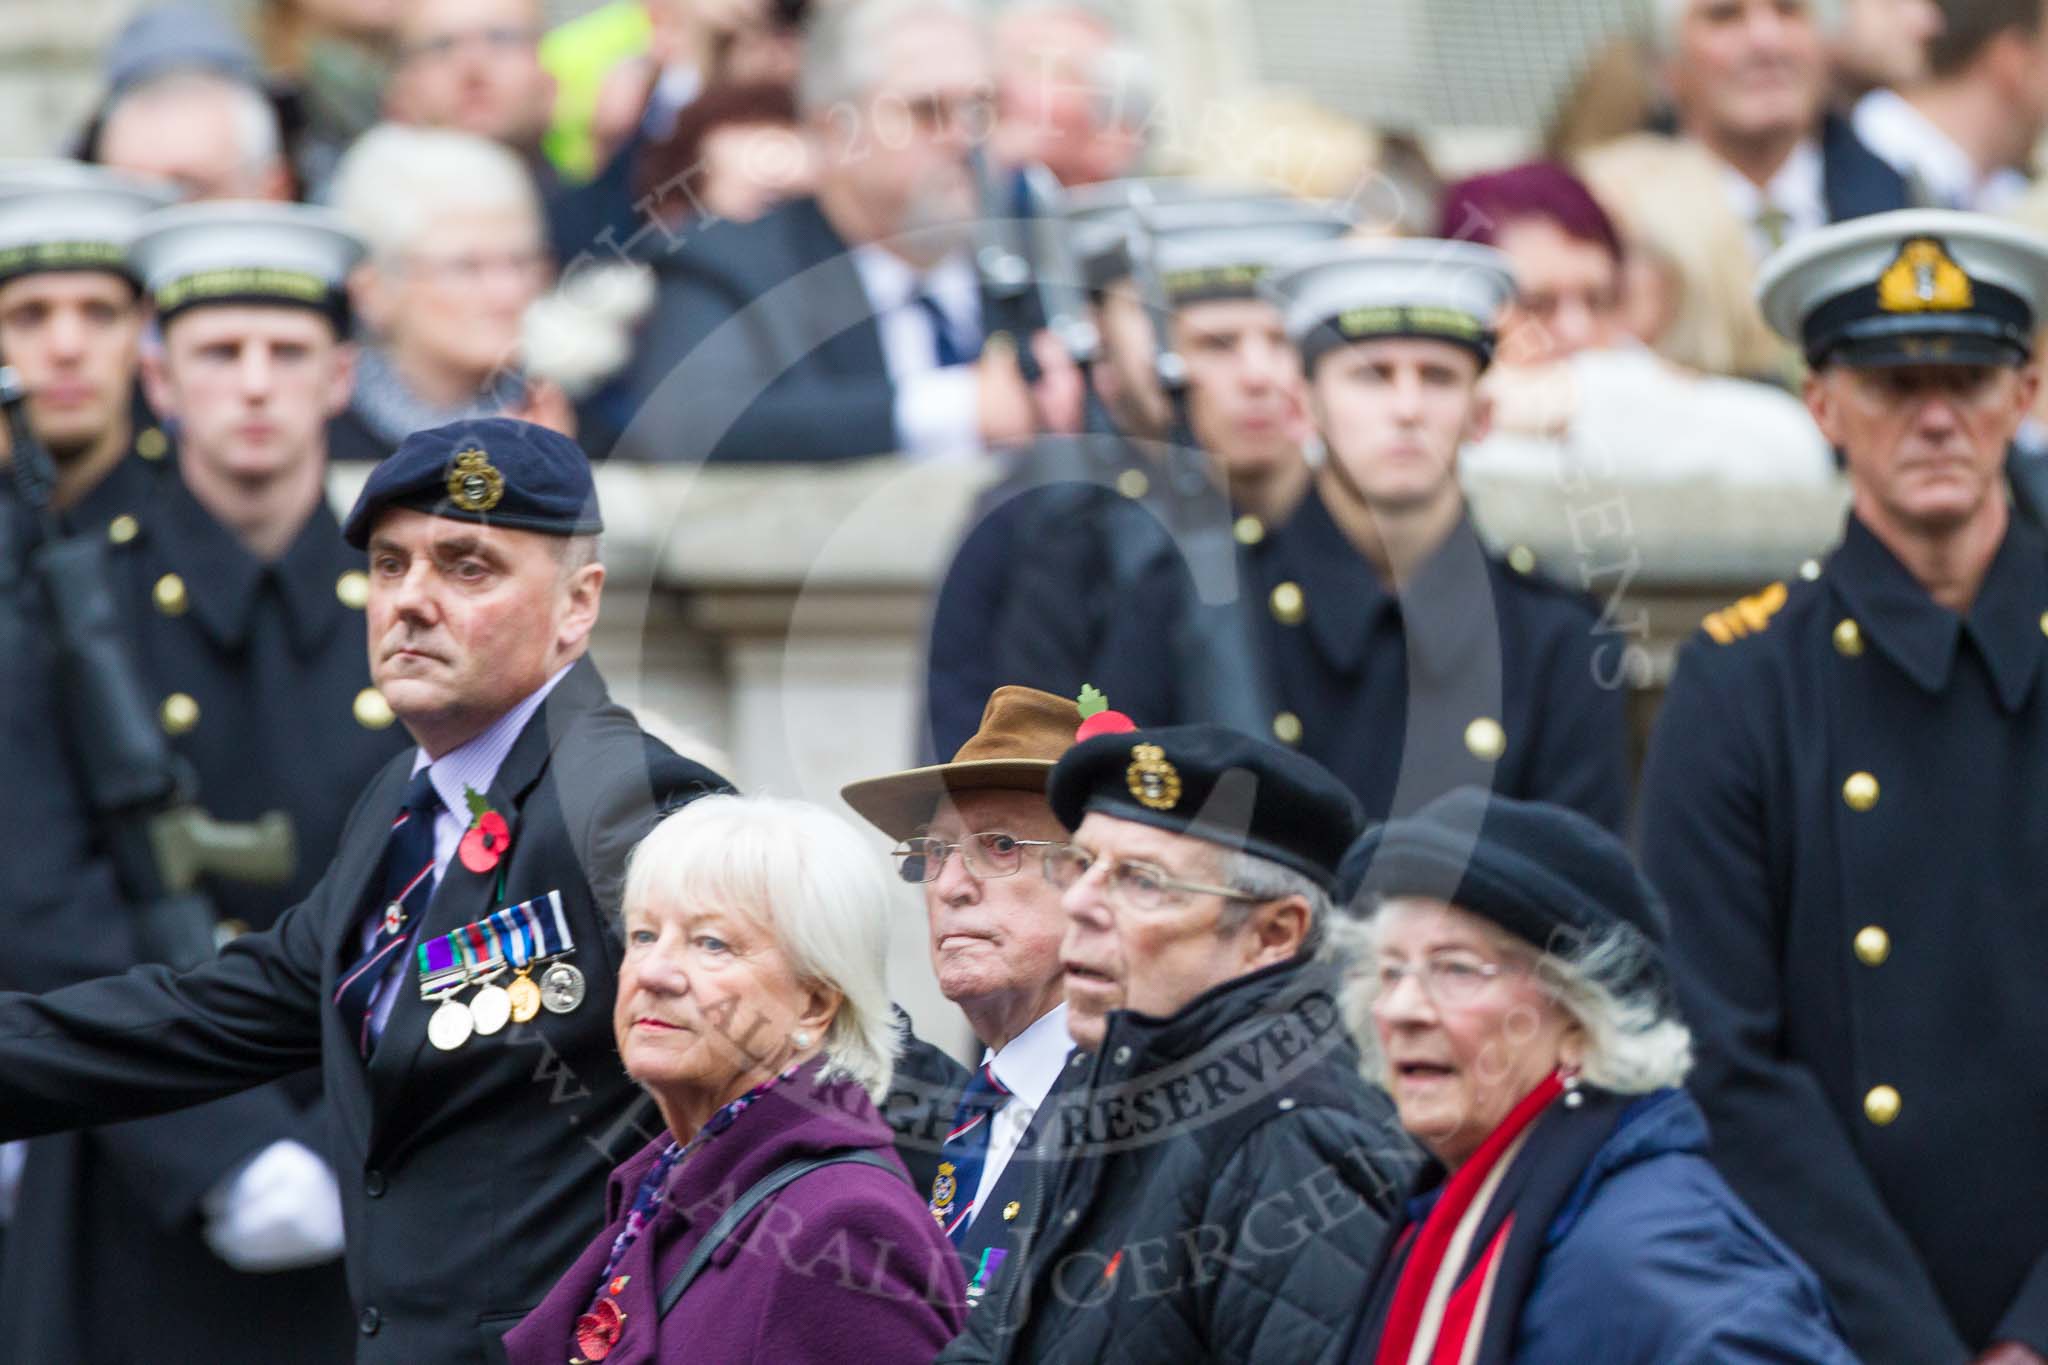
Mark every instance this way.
x=372 y=711
x=1287 y=728
x=1288 y=604
x=1011 y=1210
x=123 y=529
x=178 y=714
x=1522 y=560
x=170 y=595
x=1132 y=483
x=1873 y=945
x=1486 y=739
x=1881 y=1105
x=353 y=588
x=2044 y=623
x=1860 y=791
x=1248 y=529
x=1848 y=638
x=1809 y=570
x=152 y=444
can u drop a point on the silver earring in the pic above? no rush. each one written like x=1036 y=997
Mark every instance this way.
x=800 y=1038
x=1572 y=1097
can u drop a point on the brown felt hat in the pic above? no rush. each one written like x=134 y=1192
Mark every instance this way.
x=1023 y=733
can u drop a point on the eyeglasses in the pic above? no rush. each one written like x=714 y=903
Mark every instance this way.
x=1141 y=886
x=990 y=853
x=493 y=40
x=1451 y=979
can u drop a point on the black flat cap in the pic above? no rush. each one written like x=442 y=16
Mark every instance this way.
x=1548 y=875
x=1213 y=783
x=495 y=471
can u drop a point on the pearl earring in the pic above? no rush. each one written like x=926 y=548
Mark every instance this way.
x=1572 y=1096
x=801 y=1038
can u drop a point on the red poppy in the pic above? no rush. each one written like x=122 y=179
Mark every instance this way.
x=485 y=842
x=1097 y=718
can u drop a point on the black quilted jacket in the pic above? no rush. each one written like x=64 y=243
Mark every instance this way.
x=1225 y=1184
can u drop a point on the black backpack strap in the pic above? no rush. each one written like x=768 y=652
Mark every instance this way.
x=759 y=1193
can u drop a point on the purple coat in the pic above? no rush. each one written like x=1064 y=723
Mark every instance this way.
x=845 y=1264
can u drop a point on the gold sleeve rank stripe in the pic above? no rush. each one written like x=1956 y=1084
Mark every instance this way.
x=1746 y=617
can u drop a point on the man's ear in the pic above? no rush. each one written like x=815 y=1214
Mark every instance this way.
x=341 y=384
x=1820 y=404
x=1480 y=424
x=1278 y=929
x=156 y=383
x=582 y=595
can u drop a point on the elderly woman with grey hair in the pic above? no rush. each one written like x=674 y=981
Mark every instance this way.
x=770 y=1220
x=1508 y=987
x=458 y=257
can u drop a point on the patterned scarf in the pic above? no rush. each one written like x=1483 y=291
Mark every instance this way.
x=1449 y=1289
x=392 y=412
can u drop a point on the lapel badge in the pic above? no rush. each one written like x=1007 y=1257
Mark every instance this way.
x=1153 y=780
x=474 y=483
x=944 y=1186
x=1923 y=279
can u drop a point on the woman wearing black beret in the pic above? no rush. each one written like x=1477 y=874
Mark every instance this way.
x=1507 y=986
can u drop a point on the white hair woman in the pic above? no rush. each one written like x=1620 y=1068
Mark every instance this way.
x=752 y=1008
x=1507 y=984
x=458 y=254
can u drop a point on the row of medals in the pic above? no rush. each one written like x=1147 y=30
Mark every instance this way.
x=453 y=1022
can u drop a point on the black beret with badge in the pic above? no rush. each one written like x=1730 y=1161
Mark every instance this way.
x=1911 y=287
x=1216 y=784
x=1547 y=874
x=229 y=252
x=62 y=215
x=1346 y=292
x=495 y=471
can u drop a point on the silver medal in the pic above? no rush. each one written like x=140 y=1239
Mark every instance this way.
x=450 y=1026
x=561 y=988
x=490 y=1009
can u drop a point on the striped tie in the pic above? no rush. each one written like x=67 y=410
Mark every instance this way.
x=965 y=1152
x=406 y=884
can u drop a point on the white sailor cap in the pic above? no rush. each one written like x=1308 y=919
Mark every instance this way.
x=1344 y=292
x=1912 y=287
x=233 y=252
x=1101 y=218
x=1223 y=248
x=66 y=215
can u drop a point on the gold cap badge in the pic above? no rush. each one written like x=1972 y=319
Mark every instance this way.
x=1924 y=279
x=1153 y=780
x=474 y=484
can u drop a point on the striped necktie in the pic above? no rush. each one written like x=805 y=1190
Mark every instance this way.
x=406 y=883
x=965 y=1151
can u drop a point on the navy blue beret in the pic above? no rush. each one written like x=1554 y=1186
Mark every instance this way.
x=1214 y=783
x=495 y=471
x=1548 y=875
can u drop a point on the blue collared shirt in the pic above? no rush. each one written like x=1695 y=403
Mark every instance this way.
x=470 y=766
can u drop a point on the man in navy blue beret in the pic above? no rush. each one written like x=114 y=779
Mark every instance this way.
x=1221 y=1092
x=450 y=973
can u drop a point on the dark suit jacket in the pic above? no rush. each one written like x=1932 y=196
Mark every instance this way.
x=762 y=345
x=1855 y=180
x=470 y=1179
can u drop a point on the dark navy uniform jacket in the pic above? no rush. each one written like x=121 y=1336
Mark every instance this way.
x=1473 y=673
x=273 y=666
x=1846 y=805
x=1098 y=561
x=110 y=1218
